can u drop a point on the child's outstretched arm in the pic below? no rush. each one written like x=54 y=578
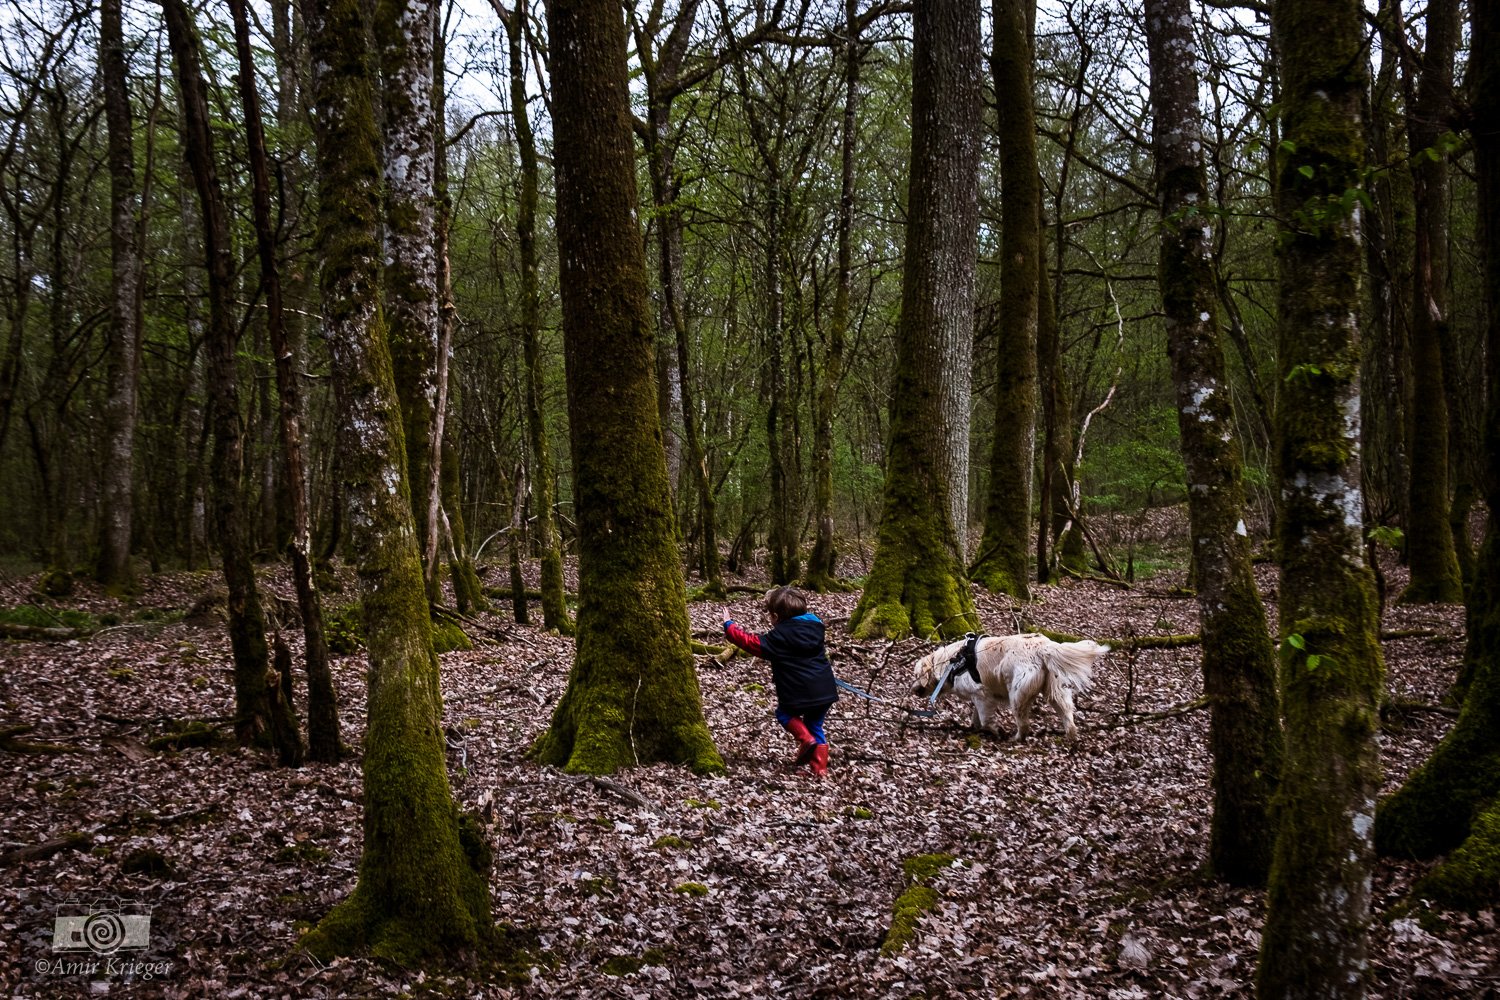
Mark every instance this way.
x=747 y=641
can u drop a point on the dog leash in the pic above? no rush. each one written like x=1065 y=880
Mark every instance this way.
x=923 y=712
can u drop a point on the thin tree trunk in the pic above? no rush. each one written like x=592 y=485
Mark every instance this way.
x=113 y=568
x=822 y=563
x=1435 y=575
x=322 y=701
x=554 y=599
x=1318 y=896
x=422 y=894
x=468 y=592
x=1385 y=363
x=1239 y=661
x=256 y=693
x=1003 y=561
x=781 y=539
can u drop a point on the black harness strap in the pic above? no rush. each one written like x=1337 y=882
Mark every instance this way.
x=966 y=662
x=971 y=656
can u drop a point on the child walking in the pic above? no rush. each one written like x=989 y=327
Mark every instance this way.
x=799 y=669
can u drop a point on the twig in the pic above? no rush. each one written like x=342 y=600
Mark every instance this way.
x=37 y=852
x=607 y=785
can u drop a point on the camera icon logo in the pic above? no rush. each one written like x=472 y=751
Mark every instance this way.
x=104 y=926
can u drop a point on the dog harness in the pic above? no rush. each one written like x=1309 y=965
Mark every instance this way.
x=966 y=662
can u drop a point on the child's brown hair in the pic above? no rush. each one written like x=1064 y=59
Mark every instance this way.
x=786 y=602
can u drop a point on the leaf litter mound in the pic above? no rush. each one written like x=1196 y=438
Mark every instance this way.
x=1076 y=871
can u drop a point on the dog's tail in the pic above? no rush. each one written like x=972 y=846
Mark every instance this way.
x=1073 y=662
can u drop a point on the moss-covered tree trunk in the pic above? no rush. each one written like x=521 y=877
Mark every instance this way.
x=632 y=695
x=322 y=703
x=1435 y=574
x=261 y=714
x=421 y=896
x=1450 y=800
x=917 y=582
x=113 y=566
x=1003 y=564
x=1239 y=661
x=554 y=599
x=404 y=38
x=822 y=562
x=1318 y=896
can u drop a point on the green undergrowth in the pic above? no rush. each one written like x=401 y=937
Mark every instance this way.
x=36 y=616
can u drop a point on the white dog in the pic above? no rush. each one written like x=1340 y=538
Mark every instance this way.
x=1011 y=669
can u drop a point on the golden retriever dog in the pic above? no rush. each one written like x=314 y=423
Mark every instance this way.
x=1013 y=670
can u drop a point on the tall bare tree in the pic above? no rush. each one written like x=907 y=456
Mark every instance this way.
x=468 y=592
x=113 y=567
x=661 y=66
x=322 y=702
x=1435 y=574
x=632 y=695
x=1385 y=362
x=543 y=490
x=1003 y=561
x=917 y=582
x=822 y=562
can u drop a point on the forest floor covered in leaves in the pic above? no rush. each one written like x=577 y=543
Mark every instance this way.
x=1077 y=870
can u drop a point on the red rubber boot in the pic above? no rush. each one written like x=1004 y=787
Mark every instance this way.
x=799 y=729
x=820 y=760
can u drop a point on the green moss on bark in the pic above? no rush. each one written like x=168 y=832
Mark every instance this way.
x=1432 y=811
x=632 y=695
x=916 y=900
x=916 y=585
x=1004 y=562
x=1469 y=878
x=1318 y=892
x=1239 y=662
x=420 y=898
